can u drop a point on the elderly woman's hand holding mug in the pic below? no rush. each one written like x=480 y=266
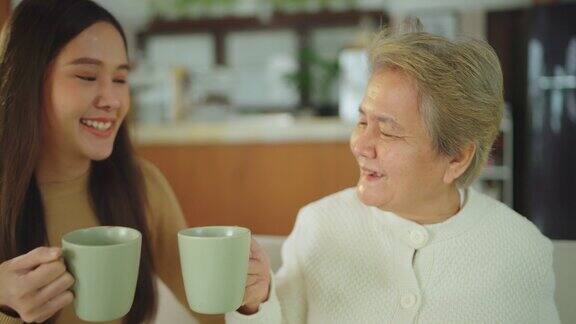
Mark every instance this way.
x=258 y=281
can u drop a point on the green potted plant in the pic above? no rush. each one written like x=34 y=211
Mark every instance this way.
x=317 y=77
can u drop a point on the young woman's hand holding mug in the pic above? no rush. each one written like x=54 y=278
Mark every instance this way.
x=258 y=281
x=36 y=285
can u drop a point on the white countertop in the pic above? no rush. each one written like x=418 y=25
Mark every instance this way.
x=279 y=128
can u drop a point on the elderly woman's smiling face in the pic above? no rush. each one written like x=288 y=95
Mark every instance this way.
x=399 y=169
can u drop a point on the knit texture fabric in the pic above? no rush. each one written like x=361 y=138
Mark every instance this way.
x=346 y=262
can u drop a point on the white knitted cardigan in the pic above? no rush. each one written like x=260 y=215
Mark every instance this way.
x=346 y=262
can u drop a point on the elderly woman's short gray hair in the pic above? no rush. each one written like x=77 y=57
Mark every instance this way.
x=460 y=87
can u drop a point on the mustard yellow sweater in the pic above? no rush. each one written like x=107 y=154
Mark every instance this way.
x=67 y=207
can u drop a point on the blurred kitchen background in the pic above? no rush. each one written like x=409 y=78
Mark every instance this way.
x=247 y=105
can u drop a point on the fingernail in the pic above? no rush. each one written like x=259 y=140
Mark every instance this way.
x=54 y=251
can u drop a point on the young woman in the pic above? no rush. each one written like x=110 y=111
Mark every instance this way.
x=66 y=161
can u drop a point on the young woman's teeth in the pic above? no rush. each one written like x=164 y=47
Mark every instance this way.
x=97 y=125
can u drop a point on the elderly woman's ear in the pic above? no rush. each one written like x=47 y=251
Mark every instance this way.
x=459 y=163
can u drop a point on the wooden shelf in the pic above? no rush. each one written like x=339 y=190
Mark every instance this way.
x=279 y=20
x=300 y=23
x=4 y=11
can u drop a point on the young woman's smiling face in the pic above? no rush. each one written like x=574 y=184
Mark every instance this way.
x=86 y=96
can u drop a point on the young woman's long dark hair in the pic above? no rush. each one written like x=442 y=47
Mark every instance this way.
x=31 y=40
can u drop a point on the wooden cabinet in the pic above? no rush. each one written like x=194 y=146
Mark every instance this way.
x=4 y=11
x=259 y=186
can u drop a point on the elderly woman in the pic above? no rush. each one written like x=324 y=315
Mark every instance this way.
x=413 y=242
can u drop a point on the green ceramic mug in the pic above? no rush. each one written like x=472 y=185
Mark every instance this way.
x=214 y=267
x=104 y=261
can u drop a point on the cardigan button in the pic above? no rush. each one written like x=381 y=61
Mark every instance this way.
x=408 y=301
x=418 y=238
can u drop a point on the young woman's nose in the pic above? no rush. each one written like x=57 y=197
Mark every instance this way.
x=108 y=98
